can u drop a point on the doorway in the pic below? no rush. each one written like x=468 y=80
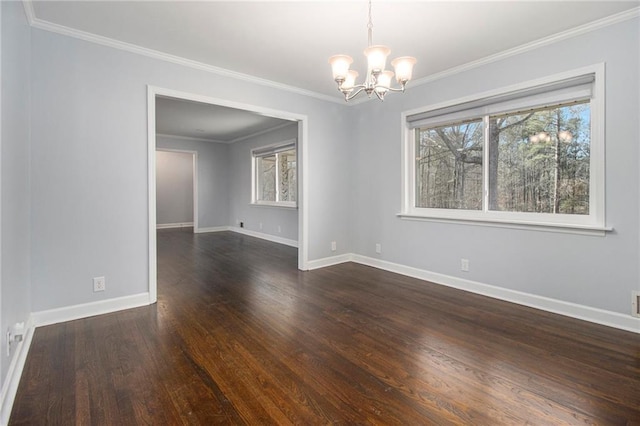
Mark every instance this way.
x=302 y=125
x=176 y=188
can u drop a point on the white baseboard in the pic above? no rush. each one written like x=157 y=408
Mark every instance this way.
x=329 y=261
x=212 y=229
x=14 y=373
x=573 y=310
x=268 y=237
x=586 y=313
x=69 y=313
x=174 y=225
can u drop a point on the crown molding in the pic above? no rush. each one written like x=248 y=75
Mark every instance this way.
x=190 y=138
x=155 y=54
x=262 y=132
x=105 y=41
x=573 y=32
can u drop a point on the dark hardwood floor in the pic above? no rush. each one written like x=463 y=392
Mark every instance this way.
x=240 y=336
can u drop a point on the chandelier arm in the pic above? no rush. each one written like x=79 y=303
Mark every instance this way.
x=349 y=96
x=357 y=86
x=395 y=89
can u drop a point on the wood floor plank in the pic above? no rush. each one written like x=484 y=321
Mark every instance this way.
x=240 y=336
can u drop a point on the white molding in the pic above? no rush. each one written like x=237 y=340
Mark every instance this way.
x=523 y=48
x=12 y=379
x=303 y=193
x=174 y=225
x=590 y=224
x=586 y=313
x=211 y=229
x=262 y=235
x=29 y=11
x=106 y=41
x=188 y=138
x=262 y=132
x=155 y=54
x=573 y=32
x=244 y=231
x=85 y=310
x=329 y=261
x=194 y=177
x=151 y=195
x=599 y=231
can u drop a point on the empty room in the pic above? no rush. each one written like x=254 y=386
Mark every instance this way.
x=320 y=212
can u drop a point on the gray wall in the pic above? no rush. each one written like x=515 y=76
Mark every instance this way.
x=14 y=167
x=595 y=271
x=240 y=207
x=85 y=189
x=89 y=164
x=213 y=185
x=174 y=187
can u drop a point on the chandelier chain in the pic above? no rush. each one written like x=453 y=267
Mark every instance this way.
x=370 y=26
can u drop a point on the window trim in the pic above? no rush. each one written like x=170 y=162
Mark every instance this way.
x=264 y=151
x=594 y=222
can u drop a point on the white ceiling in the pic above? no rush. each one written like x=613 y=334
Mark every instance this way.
x=182 y=118
x=289 y=42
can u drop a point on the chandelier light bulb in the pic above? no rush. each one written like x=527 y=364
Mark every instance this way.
x=340 y=66
x=404 y=68
x=384 y=82
x=565 y=136
x=376 y=57
x=350 y=81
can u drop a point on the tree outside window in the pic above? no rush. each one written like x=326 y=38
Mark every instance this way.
x=275 y=175
x=538 y=161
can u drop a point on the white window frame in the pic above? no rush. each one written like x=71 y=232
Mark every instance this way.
x=268 y=150
x=593 y=223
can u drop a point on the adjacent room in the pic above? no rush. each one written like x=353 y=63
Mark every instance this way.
x=223 y=212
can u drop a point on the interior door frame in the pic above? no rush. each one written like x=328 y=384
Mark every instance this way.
x=194 y=176
x=303 y=195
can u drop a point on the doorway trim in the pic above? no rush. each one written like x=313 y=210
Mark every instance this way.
x=194 y=155
x=303 y=187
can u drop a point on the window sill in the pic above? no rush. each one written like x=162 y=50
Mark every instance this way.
x=276 y=205
x=512 y=224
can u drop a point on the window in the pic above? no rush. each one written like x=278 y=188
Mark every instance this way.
x=275 y=175
x=532 y=155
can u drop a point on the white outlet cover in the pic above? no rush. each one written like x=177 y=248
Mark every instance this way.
x=464 y=265
x=99 y=284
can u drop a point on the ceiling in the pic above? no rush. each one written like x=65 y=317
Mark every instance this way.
x=188 y=119
x=289 y=42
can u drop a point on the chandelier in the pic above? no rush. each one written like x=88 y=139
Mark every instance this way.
x=377 y=80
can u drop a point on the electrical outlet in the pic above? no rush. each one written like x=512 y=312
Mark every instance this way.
x=260 y=226
x=279 y=229
x=378 y=248
x=241 y=224
x=99 y=284
x=635 y=303
x=334 y=246
x=464 y=265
